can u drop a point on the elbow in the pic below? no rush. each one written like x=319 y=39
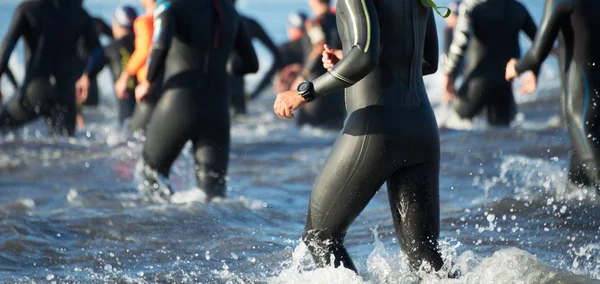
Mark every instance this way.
x=253 y=66
x=368 y=64
x=429 y=68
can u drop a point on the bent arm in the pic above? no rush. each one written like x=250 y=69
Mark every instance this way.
x=266 y=40
x=555 y=12
x=143 y=39
x=164 y=29
x=16 y=29
x=362 y=58
x=431 y=47
x=247 y=61
x=460 y=40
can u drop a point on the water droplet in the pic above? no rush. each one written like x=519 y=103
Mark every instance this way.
x=50 y=277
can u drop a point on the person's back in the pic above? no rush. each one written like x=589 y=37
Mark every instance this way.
x=186 y=60
x=496 y=25
x=192 y=42
x=390 y=134
x=66 y=24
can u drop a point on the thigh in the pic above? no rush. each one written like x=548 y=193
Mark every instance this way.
x=168 y=130
x=211 y=148
x=501 y=106
x=470 y=98
x=354 y=171
x=414 y=201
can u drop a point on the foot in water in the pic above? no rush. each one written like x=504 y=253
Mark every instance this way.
x=154 y=185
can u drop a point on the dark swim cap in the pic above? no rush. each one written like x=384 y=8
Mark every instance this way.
x=297 y=19
x=125 y=15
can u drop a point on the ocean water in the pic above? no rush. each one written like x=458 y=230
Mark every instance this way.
x=71 y=212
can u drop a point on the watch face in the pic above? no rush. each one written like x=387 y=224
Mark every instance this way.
x=303 y=87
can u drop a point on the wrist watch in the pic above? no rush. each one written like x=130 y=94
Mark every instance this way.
x=306 y=90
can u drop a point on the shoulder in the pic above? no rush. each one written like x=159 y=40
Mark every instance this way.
x=28 y=5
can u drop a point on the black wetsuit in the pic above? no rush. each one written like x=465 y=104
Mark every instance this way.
x=192 y=43
x=329 y=111
x=51 y=30
x=490 y=28
x=448 y=36
x=579 y=55
x=116 y=55
x=390 y=135
x=237 y=89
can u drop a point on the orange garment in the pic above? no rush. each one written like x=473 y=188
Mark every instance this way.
x=143 y=27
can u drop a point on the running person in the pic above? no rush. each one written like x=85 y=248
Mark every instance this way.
x=390 y=134
x=51 y=30
x=116 y=55
x=192 y=43
x=143 y=28
x=579 y=48
x=237 y=91
x=490 y=28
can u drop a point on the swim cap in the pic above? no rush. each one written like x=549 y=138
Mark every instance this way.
x=297 y=19
x=453 y=6
x=125 y=15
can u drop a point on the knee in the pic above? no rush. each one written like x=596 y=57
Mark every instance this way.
x=465 y=110
x=322 y=241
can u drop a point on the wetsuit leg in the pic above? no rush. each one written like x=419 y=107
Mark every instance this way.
x=63 y=109
x=168 y=131
x=477 y=94
x=501 y=107
x=143 y=110
x=25 y=107
x=126 y=108
x=211 y=154
x=93 y=94
x=237 y=94
x=415 y=203
x=349 y=180
x=469 y=100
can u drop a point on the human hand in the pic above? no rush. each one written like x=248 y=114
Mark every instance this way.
x=331 y=56
x=141 y=91
x=121 y=86
x=287 y=102
x=511 y=71
x=529 y=83
x=82 y=87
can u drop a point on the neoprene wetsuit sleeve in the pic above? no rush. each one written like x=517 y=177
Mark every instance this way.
x=264 y=38
x=95 y=64
x=247 y=61
x=164 y=29
x=460 y=39
x=143 y=30
x=16 y=29
x=554 y=12
x=92 y=44
x=362 y=58
x=431 y=48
